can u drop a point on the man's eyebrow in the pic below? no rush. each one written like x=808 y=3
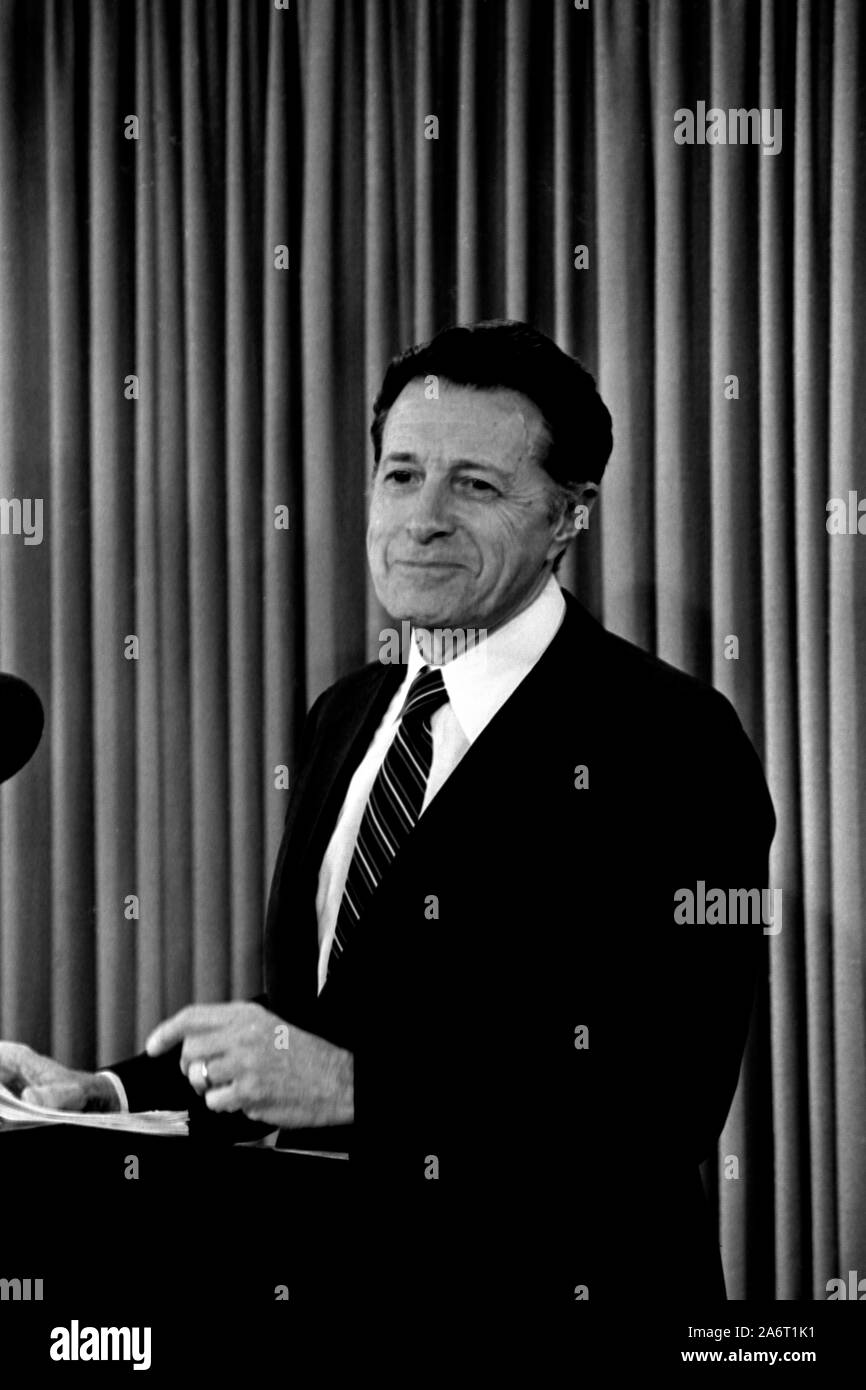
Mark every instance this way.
x=483 y=464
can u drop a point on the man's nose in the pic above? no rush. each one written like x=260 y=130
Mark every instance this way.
x=431 y=513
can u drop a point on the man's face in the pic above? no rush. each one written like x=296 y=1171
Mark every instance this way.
x=460 y=531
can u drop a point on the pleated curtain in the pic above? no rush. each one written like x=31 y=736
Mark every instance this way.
x=196 y=307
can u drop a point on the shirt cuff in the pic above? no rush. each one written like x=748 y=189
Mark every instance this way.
x=119 y=1088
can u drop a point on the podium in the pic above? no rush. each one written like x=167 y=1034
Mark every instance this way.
x=225 y=1253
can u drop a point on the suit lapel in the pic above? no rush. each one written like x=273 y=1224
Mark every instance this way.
x=527 y=731
x=291 y=947
x=558 y=693
x=349 y=734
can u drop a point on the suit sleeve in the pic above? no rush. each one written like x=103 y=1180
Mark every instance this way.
x=723 y=842
x=157 y=1083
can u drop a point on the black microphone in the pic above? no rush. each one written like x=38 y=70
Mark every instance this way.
x=21 y=723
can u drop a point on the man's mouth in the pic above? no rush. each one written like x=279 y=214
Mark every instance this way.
x=430 y=564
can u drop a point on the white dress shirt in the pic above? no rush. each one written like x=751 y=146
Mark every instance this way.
x=478 y=682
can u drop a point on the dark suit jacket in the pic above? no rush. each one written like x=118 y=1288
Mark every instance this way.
x=521 y=909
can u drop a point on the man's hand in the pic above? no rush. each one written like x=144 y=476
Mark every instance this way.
x=42 y=1081
x=258 y=1063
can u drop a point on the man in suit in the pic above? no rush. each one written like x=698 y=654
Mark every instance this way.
x=478 y=977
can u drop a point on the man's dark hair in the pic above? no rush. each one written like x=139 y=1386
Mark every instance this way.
x=504 y=352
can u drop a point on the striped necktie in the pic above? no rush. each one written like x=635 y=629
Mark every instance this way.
x=394 y=805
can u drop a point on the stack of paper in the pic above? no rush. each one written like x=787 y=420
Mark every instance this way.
x=17 y=1114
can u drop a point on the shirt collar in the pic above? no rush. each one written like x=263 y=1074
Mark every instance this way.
x=482 y=678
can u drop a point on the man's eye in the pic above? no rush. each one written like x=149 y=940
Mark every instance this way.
x=478 y=485
x=398 y=475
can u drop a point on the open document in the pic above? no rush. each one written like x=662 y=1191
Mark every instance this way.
x=17 y=1114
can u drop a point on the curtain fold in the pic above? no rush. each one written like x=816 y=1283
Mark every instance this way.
x=778 y=626
x=847 y=625
x=218 y=221
x=150 y=862
x=624 y=251
x=70 y=867
x=811 y=822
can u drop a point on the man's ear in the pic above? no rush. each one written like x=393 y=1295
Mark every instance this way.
x=586 y=495
x=575 y=516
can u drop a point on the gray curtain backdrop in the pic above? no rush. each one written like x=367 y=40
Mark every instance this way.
x=304 y=128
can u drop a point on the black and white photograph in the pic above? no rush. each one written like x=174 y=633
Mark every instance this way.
x=432 y=701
